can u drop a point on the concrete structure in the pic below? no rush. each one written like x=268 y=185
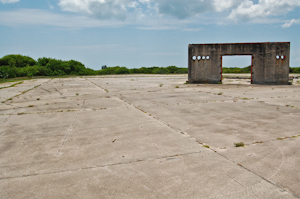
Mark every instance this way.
x=270 y=61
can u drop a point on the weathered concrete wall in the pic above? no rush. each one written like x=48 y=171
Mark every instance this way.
x=270 y=61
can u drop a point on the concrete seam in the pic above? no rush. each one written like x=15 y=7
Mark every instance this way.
x=194 y=139
x=105 y=165
x=263 y=178
x=69 y=130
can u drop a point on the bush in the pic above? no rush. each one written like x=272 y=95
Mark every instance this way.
x=107 y=71
x=7 y=72
x=145 y=70
x=294 y=70
x=76 y=67
x=172 y=69
x=237 y=70
x=181 y=71
x=17 y=61
x=121 y=70
x=135 y=70
x=87 y=71
x=160 y=71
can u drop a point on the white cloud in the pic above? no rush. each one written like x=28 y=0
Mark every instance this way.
x=291 y=22
x=9 y=1
x=33 y=17
x=222 y=5
x=235 y=10
x=155 y=14
x=103 y=9
x=248 y=10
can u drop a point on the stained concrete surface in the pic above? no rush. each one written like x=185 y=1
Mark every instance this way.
x=146 y=136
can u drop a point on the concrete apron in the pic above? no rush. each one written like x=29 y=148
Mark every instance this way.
x=146 y=136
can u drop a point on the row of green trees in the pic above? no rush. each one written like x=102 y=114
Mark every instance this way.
x=248 y=70
x=21 y=66
x=295 y=70
x=237 y=70
x=143 y=70
x=12 y=66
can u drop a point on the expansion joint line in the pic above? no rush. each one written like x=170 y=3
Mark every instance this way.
x=103 y=165
x=70 y=129
x=96 y=85
x=263 y=178
x=28 y=90
x=194 y=139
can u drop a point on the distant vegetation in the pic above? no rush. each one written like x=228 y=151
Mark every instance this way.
x=12 y=66
x=237 y=70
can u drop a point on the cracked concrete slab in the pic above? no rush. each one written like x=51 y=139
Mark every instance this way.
x=148 y=136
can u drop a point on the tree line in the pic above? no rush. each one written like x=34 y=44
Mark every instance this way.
x=12 y=66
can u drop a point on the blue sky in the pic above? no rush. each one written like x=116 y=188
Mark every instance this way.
x=137 y=33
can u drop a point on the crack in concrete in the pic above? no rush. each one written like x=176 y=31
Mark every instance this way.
x=58 y=91
x=96 y=85
x=194 y=139
x=263 y=178
x=69 y=130
x=23 y=92
x=103 y=166
x=46 y=90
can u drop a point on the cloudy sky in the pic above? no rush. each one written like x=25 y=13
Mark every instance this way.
x=137 y=33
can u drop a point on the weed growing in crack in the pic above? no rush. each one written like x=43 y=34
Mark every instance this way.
x=239 y=144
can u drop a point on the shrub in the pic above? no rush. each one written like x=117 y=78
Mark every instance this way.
x=160 y=71
x=7 y=72
x=181 y=71
x=295 y=70
x=87 y=71
x=17 y=61
x=107 y=71
x=121 y=70
x=237 y=70
x=135 y=70
x=172 y=69
x=147 y=70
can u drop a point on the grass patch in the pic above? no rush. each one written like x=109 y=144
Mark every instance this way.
x=176 y=86
x=206 y=146
x=17 y=79
x=220 y=93
x=283 y=138
x=12 y=85
x=239 y=144
x=258 y=142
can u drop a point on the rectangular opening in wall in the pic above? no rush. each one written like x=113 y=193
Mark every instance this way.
x=236 y=69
